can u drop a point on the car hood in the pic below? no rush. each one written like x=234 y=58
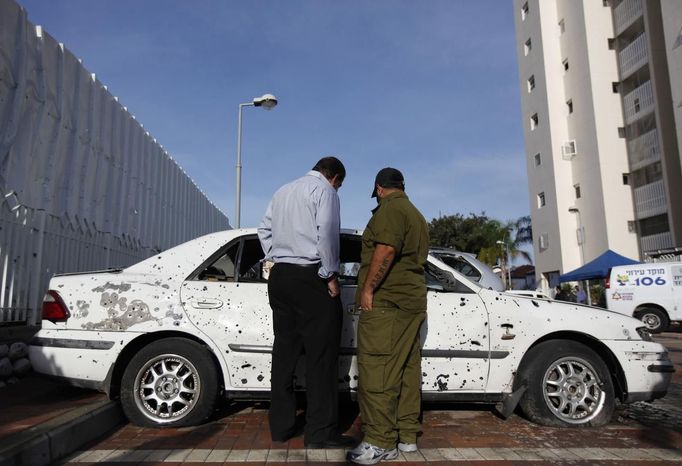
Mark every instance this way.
x=560 y=315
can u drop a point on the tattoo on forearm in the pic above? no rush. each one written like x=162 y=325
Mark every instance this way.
x=379 y=276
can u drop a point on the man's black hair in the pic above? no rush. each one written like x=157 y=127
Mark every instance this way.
x=330 y=167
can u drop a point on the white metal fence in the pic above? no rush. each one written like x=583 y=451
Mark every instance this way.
x=82 y=184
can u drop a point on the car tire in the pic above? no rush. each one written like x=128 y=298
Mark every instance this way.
x=170 y=383
x=568 y=385
x=656 y=321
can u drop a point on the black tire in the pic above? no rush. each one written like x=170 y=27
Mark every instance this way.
x=656 y=321
x=182 y=384
x=585 y=396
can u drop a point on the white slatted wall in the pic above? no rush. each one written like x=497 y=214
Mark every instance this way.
x=82 y=185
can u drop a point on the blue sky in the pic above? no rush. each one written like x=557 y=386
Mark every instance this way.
x=428 y=87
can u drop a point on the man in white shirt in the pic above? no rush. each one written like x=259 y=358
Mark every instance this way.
x=300 y=233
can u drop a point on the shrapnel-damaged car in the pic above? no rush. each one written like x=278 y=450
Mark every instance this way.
x=171 y=333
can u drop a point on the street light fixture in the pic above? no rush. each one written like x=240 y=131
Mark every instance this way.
x=506 y=261
x=268 y=102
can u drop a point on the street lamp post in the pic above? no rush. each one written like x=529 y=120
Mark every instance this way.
x=580 y=235
x=268 y=102
x=506 y=262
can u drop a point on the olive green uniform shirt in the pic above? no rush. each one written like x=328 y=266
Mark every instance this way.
x=396 y=222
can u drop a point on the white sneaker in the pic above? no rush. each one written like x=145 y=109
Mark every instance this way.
x=366 y=453
x=407 y=447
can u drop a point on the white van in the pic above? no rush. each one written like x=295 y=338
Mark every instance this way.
x=649 y=292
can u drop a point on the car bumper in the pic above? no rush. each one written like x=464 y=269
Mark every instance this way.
x=646 y=366
x=80 y=358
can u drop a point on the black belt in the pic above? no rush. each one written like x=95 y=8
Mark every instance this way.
x=306 y=266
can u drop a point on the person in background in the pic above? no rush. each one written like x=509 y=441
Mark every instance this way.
x=300 y=234
x=580 y=295
x=391 y=297
x=561 y=295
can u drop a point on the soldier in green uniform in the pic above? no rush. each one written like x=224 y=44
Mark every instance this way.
x=392 y=299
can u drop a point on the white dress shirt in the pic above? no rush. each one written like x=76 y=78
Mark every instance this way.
x=302 y=224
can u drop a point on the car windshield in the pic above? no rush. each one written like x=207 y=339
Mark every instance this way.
x=460 y=264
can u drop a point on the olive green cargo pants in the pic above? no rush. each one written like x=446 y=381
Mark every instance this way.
x=389 y=366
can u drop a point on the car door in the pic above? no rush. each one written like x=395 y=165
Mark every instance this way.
x=227 y=299
x=455 y=335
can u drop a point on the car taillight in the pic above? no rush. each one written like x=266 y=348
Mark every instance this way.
x=54 y=308
x=608 y=283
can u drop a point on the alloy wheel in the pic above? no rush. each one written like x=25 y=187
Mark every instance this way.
x=572 y=390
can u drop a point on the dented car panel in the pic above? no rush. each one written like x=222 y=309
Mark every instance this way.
x=214 y=291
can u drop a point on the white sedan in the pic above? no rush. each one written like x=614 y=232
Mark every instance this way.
x=169 y=334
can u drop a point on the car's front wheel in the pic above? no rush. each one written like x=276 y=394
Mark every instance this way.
x=568 y=385
x=170 y=382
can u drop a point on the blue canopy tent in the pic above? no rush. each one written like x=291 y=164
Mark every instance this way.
x=598 y=268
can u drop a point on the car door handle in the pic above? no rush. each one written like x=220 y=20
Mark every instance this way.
x=207 y=303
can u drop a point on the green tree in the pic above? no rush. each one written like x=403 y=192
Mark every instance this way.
x=479 y=234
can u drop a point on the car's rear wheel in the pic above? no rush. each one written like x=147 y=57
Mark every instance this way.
x=170 y=382
x=656 y=321
x=568 y=385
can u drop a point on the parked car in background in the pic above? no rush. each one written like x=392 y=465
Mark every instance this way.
x=468 y=265
x=166 y=336
x=650 y=292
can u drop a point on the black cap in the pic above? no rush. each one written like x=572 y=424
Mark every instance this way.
x=388 y=178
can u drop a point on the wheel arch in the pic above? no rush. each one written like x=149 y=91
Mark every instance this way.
x=643 y=306
x=603 y=351
x=124 y=357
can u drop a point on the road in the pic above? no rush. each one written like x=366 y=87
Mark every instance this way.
x=642 y=433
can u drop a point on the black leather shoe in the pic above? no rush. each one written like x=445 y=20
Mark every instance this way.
x=342 y=441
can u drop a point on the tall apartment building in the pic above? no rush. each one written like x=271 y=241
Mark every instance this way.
x=602 y=127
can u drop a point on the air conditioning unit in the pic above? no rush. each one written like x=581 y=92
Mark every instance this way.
x=568 y=150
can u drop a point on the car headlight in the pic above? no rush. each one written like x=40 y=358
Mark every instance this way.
x=644 y=334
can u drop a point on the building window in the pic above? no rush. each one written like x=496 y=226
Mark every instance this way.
x=654 y=225
x=621 y=132
x=538 y=160
x=612 y=44
x=565 y=64
x=615 y=87
x=647 y=175
x=605 y=3
x=576 y=188
x=531 y=83
x=541 y=200
x=534 y=121
x=524 y=11
x=527 y=47
x=626 y=178
x=636 y=103
x=562 y=27
x=569 y=105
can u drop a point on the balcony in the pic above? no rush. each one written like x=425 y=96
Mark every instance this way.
x=638 y=103
x=656 y=242
x=625 y=14
x=644 y=150
x=633 y=57
x=650 y=200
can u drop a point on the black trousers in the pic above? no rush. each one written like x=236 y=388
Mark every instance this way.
x=305 y=320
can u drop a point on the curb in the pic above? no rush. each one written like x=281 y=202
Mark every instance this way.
x=48 y=442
